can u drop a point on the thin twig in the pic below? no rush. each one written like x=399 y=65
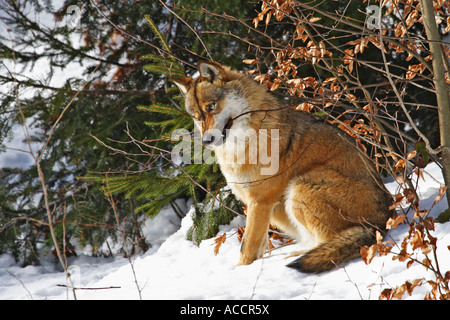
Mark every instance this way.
x=400 y=99
x=190 y=28
x=110 y=199
x=137 y=38
x=98 y=288
x=21 y=282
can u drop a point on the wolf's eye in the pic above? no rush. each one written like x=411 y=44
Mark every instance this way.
x=211 y=107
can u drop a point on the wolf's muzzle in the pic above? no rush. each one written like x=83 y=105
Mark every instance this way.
x=212 y=137
x=215 y=136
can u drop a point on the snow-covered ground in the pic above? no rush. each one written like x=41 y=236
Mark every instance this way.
x=175 y=268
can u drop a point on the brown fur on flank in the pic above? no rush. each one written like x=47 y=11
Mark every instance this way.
x=324 y=186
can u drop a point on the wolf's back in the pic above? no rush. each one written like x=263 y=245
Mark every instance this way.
x=343 y=248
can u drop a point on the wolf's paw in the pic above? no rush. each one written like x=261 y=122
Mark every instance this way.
x=244 y=261
x=248 y=258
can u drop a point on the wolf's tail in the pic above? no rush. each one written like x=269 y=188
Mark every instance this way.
x=343 y=248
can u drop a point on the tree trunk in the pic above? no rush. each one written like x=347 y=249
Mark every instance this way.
x=442 y=91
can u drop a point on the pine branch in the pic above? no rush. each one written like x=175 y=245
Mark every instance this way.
x=159 y=34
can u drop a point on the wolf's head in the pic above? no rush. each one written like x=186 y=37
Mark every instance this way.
x=215 y=99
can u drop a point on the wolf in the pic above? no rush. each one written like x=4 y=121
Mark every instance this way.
x=325 y=187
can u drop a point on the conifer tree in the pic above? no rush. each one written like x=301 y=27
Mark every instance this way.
x=164 y=181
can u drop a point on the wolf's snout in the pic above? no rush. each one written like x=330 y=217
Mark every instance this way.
x=212 y=137
x=207 y=140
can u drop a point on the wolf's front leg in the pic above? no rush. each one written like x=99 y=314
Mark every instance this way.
x=255 y=239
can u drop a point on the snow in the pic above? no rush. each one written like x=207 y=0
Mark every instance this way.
x=175 y=268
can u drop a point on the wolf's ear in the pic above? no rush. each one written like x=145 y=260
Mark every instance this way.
x=211 y=71
x=182 y=83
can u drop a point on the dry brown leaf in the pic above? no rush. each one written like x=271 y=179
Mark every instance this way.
x=429 y=223
x=420 y=213
x=392 y=155
x=410 y=195
x=268 y=17
x=406 y=10
x=447 y=29
x=219 y=240
x=426 y=250
x=410 y=262
x=386 y=294
x=441 y=194
x=411 y=155
x=402 y=256
x=400 y=30
x=426 y=263
x=393 y=223
x=412 y=18
x=368 y=253
x=240 y=233
x=419 y=173
x=271 y=246
x=414 y=69
x=400 y=165
x=417 y=241
x=399 y=292
x=410 y=286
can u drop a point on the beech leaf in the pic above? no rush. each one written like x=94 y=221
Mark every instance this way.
x=219 y=241
x=393 y=223
x=368 y=253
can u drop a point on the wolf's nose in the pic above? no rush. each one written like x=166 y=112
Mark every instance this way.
x=208 y=139
x=212 y=136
